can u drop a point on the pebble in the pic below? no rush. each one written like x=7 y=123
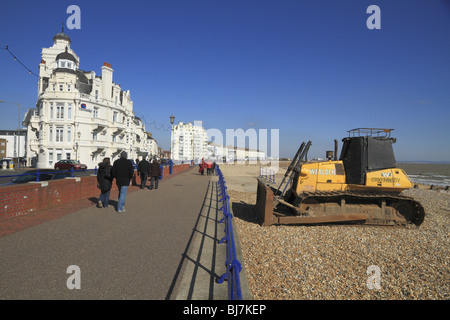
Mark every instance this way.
x=332 y=262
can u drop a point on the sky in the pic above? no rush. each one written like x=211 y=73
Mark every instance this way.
x=311 y=69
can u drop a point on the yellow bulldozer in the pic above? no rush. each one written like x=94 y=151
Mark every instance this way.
x=364 y=186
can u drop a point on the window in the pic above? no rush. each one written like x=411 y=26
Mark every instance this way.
x=68 y=87
x=69 y=134
x=60 y=111
x=50 y=134
x=61 y=87
x=51 y=110
x=63 y=64
x=95 y=113
x=59 y=134
x=69 y=111
x=94 y=135
x=50 y=158
x=115 y=116
x=54 y=86
x=96 y=94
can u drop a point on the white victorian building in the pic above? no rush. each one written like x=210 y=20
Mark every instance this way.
x=80 y=115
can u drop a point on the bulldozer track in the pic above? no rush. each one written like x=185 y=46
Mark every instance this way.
x=355 y=194
x=415 y=212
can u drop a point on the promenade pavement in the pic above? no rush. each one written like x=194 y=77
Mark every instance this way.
x=165 y=246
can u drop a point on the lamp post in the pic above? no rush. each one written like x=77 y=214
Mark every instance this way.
x=18 y=130
x=77 y=144
x=172 y=120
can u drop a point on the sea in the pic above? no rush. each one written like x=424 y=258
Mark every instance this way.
x=429 y=173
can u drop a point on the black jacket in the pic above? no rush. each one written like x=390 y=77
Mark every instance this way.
x=155 y=169
x=104 y=177
x=123 y=171
x=143 y=166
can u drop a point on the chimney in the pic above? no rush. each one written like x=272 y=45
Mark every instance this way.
x=107 y=75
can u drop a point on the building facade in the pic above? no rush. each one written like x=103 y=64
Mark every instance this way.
x=12 y=143
x=79 y=114
x=189 y=141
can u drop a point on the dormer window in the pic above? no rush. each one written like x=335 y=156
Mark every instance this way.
x=65 y=60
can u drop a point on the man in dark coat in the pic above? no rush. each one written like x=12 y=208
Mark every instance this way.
x=155 y=172
x=144 y=170
x=123 y=172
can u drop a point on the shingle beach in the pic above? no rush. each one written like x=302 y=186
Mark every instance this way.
x=336 y=261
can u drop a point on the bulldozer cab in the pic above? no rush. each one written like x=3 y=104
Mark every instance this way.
x=366 y=150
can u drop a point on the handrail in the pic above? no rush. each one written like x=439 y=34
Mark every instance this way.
x=37 y=173
x=71 y=170
x=233 y=266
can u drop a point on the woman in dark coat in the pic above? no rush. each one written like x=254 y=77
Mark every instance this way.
x=155 y=173
x=104 y=182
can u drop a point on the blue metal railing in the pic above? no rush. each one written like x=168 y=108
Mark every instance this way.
x=37 y=173
x=71 y=170
x=233 y=265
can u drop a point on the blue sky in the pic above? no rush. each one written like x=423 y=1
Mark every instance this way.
x=311 y=69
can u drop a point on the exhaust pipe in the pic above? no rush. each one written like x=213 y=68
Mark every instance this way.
x=335 y=149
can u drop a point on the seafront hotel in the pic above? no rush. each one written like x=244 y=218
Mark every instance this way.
x=81 y=115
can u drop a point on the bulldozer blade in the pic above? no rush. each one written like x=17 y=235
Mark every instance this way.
x=264 y=205
x=323 y=220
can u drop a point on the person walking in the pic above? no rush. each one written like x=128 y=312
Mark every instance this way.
x=202 y=167
x=104 y=182
x=208 y=167
x=143 y=169
x=122 y=171
x=155 y=173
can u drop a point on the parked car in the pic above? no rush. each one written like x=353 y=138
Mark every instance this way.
x=7 y=162
x=68 y=164
x=43 y=176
